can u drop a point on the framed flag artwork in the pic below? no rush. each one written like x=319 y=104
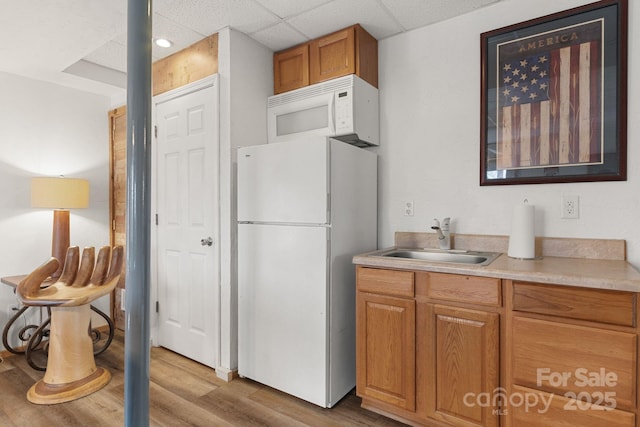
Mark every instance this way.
x=554 y=98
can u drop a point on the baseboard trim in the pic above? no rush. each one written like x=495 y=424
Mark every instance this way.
x=226 y=374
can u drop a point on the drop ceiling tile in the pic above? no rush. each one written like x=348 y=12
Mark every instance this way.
x=339 y=14
x=202 y=16
x=287 y=8
x=279 y=36
x=58 y=32
x=167 y=27
x=162 y=6
x=208 y=16
x=113 y=54
x=180 y=35
x=418 y=13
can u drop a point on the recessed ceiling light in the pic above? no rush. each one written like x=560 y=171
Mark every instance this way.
x=164 y=42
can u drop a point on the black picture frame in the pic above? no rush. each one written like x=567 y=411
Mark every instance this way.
x=554 y=98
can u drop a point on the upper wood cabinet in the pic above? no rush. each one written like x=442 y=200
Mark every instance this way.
x=291 y=68
x=348 y=51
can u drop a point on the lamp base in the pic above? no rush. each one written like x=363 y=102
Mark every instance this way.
x=60 y=238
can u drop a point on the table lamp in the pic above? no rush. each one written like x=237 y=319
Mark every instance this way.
x=59 y=194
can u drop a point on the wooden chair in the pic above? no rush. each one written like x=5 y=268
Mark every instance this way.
x=71 y=369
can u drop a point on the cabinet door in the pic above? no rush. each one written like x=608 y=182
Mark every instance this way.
x=463 y=365
x=291 y=69
x=386 y=349
x=332 y=56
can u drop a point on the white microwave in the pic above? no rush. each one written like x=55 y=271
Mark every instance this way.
x=345 y=108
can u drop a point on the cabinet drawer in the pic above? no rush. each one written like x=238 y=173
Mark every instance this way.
x=471 y=289
x=597 y=305
x=560 y=358
x=386 y=282
x=554 y=410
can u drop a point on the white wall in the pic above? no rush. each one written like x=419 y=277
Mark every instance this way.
x=48 y=130
x=246 y=79
x=430 y=130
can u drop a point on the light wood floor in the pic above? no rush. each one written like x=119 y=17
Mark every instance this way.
x=182 y=393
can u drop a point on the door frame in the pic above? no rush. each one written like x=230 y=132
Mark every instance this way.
x=117 y=314
x=210 y=81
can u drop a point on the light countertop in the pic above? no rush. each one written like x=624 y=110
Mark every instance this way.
x=602 y=272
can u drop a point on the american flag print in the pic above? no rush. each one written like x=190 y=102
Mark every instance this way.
x=549 y=99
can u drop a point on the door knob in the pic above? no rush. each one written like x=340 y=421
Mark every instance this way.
x=206 y=242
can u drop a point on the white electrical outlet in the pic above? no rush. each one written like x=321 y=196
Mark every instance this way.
x=570 y=207
x=408 y=208
x=122 y=295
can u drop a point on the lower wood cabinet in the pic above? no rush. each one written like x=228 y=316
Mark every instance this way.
x=573 y=357
x=386 y=349
x=463 y=365
x=438 y=349
x=423 y=362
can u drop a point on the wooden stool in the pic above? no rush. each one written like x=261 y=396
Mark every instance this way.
x=71 y=369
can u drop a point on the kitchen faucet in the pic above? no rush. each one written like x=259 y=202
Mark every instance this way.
x=444 y=238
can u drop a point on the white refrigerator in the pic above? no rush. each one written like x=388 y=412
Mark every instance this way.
x=305 y=208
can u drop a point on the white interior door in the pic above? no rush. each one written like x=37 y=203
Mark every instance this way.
x=187 y=223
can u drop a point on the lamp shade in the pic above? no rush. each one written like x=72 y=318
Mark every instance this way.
x=59 y=193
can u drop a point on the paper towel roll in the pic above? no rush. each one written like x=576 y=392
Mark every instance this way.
x=522 y=240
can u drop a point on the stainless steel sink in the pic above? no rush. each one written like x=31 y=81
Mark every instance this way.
x=451 y=256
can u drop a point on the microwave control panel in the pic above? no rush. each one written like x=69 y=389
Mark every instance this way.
x=344 y=111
